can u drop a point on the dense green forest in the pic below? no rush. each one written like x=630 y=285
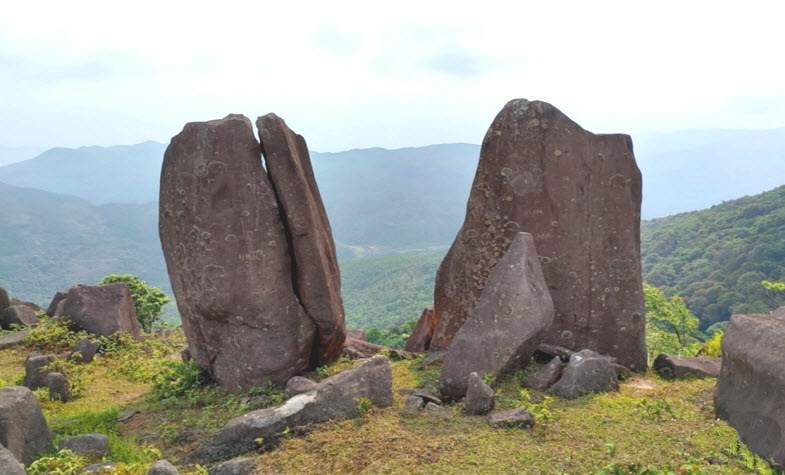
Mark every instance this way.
x=717 y=258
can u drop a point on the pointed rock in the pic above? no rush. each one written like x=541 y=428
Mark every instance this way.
x=317 y=280
x=229 y=259
x=507 y=325
x=480 y=398
x=579 y=194
x=420 y=339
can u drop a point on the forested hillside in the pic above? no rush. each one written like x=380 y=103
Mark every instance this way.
x=717 y=258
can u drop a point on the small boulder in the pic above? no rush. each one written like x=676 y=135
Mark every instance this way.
x=479 y=396
x=546 y=376
x=511 y=419
x=9 y=465
x=506 y=326
x=23 y=429
x=89 y=445
x=5 y=301
x=298 y=385
x=676 y=367
x=100 y=309
x=20 y=315
x=420 y=339
x=35 y=370
x=335 y=398
x=587 y=372
x=412 y=405
x=435 y=410
x=163 y=467
x=84 y=351
x=235 y=466
x=12 y=340
x=59 y=387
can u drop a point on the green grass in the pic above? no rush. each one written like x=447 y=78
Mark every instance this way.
x=650 y=424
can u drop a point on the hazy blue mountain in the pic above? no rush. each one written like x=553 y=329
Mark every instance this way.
x=119 y=174
x=50 y=241
x=694 y=169
x=10 y=155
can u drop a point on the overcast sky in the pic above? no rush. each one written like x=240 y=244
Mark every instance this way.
x=391 y=74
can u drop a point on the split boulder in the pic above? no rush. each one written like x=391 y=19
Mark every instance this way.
x=507 y=325
x=316 y=277
x=579 y=195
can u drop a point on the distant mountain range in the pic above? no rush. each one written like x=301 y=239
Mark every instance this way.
x=9 y=155
x=75 y=215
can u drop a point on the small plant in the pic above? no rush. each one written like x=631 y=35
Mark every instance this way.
x=149 y=301
x=53 y=334
x=176 y=379
x=364 y=405
x=712 y=347
x=655 y=410
x=541 y=410
x=78 y=375
x=749 y=460
x=271 y=394
x=489 y=379
x=63 y=462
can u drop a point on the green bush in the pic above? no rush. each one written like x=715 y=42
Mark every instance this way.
x=148 y=300
x=51 y=334
x=63 y=462
x=176 y=379
x=713 y=347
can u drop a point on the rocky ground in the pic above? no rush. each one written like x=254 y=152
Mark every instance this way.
x=139 y=395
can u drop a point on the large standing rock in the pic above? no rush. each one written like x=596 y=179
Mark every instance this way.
x=677 y=367
x=317 y=281
x=587 y=372
x=229 y=259
x=508 y=323
x=335 y=398
x=751 y=385
x=420 y=339
x=23 y=429
x=9 y=465
x=100 y=309
x=579 y=195
x=21 y=315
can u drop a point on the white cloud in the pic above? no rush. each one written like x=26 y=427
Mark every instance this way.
x=352 y=74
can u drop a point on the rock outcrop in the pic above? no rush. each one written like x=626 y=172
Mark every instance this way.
x=23 y=429
x=99 y=309
x=335 y=398
x=751 y=385
x=36 y=370
x=317 y=280
x=579 y=195
x=420 y=339
x=255 y=286
x=507 y=324
x=18 y=315
x=587 y=372
x=677 y=367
